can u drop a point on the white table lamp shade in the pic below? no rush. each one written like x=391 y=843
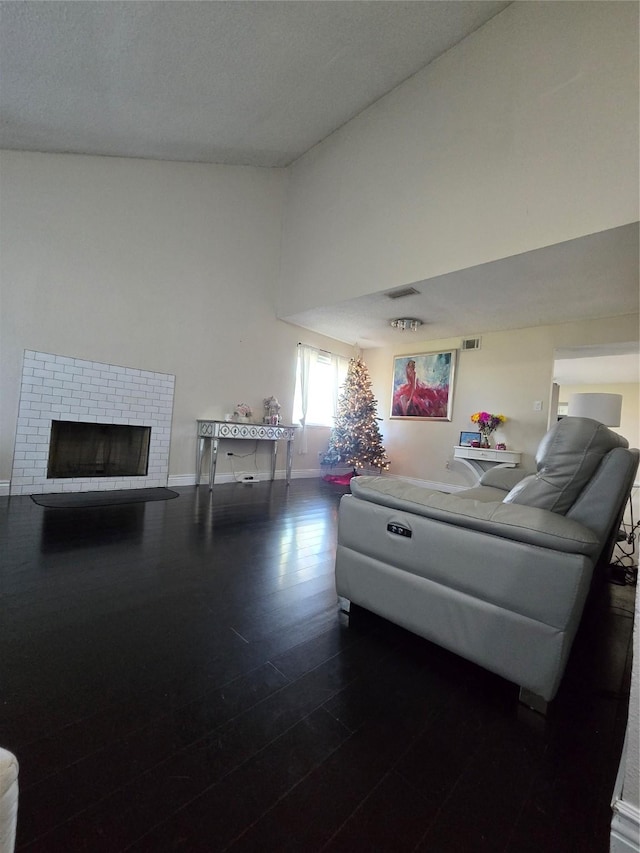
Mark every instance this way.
x=606 y=408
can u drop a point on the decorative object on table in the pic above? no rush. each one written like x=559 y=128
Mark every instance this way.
x=355 y=437
x=242 y=412
x=501 y=446
x=487 y=424
x=271 y=411
x=423 y=386
x=469 y=439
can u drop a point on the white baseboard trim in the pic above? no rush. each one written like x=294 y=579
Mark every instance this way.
x=177 y=480
x=625 y=828
x=303 y=474
x=181 y=480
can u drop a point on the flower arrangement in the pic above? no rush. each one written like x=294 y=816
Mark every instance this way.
x=244 y=410
x=487 y=423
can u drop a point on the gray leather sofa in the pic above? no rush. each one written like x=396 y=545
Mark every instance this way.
x=500 y=573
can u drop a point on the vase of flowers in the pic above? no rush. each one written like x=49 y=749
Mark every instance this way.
x=487 y=424
x=242 y=412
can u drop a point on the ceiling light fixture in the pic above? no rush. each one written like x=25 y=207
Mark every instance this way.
x=404 y=323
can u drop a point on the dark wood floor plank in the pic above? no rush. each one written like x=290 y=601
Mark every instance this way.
x=106 y=769
x=392 y=817
x=313 y=812
x=199 y=763
x=178 y=675
x=574 y=775
x=487 y=798
x=223 y=812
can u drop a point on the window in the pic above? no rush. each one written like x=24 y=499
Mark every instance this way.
x=319 y=377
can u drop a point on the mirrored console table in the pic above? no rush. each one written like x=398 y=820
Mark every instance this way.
x=480 y=459
x=213 y=431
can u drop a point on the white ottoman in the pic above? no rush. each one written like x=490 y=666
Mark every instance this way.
x=8 y=800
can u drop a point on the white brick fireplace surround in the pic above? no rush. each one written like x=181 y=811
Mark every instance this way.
x=56 y=387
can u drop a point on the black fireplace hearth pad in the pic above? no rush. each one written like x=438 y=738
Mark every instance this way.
x=70 y=500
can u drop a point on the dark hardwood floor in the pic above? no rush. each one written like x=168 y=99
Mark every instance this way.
x=178 y=675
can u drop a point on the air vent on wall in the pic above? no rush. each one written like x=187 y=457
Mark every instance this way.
x=405 y=291
x=471 y=343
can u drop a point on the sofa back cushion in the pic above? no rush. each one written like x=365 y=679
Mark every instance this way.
x=567 y=459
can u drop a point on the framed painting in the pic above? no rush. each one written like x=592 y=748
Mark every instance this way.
x=423 y=386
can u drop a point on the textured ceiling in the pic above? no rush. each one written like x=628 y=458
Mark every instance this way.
x=260 y=83
x=584 y=367
x=587 y=278
x=255 y=83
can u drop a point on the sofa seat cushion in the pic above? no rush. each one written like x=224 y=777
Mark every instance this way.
x=486 y=494
x=511 y=521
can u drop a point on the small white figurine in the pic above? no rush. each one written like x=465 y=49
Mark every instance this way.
x=271 y=411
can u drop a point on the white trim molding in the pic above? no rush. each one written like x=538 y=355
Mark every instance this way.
x=177 y=480
x=625 y=828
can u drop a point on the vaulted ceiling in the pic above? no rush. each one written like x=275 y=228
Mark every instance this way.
x=260 y=83
x=255 y=83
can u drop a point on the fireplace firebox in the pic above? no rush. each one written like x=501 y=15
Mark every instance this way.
x=98 y=450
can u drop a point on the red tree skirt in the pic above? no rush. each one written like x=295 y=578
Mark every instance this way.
x=340 y=479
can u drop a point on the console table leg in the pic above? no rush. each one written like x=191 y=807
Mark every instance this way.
x=274 y=455
x=199 y=453
x=214 y=459
x=289 y=460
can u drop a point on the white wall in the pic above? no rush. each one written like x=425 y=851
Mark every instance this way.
x=167 y=267
x=506 y=376
x=523 y=135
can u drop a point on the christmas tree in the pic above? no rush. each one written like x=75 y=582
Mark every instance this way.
x=355 y=438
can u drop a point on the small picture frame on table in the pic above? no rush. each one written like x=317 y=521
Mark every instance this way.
x=469 y=439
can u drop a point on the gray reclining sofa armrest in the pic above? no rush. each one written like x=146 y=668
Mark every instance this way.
x=502 y=478
x=520 y=523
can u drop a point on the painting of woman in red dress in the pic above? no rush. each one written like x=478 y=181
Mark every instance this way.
x=422 y=386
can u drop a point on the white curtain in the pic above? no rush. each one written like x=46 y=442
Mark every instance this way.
x=320 y=375
x=340 y=369
x=305 y=355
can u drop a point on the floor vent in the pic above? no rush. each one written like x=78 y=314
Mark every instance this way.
x=471 y=343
